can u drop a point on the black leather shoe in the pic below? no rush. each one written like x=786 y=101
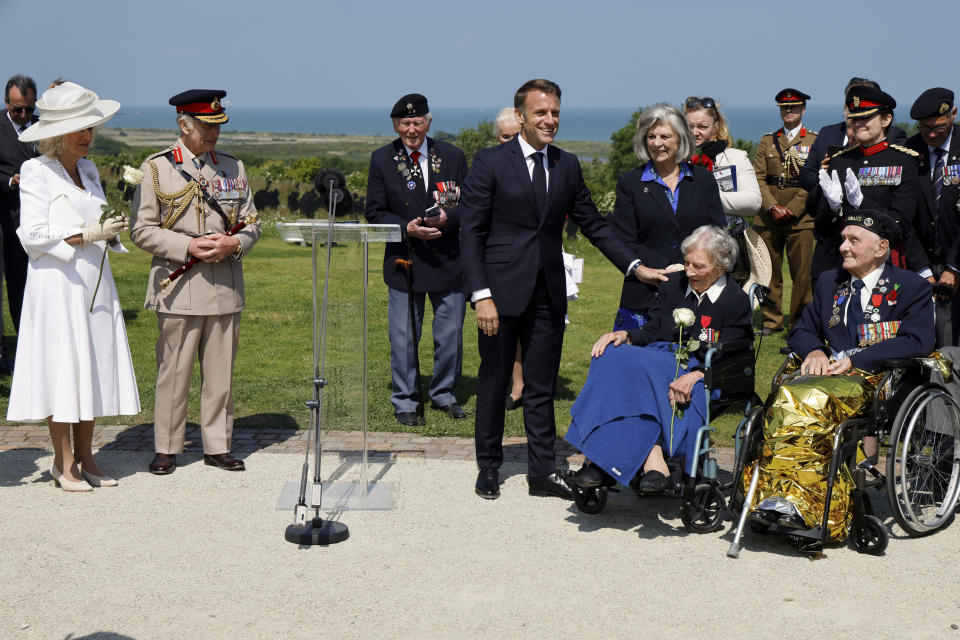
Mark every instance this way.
x=488 y=484
x=590 y=476
x=224 y=461
x=764 y=517
x=408 y=418
x=551 y=486
x=163 y=464
x=453 y=409
x=514 y=404
x=652 y=482
x=792 y=521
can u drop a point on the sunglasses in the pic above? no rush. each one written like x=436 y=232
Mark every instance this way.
x=707 y=103
x=19 y=110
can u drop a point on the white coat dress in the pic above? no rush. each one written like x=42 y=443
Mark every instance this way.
x=71 y=364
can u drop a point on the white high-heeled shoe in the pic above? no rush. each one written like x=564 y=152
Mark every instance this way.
x=68 y=485
x=98 y=481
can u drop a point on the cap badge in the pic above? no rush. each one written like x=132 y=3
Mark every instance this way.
x=856 y=101
x=215 y=105
x=944 y=107
x=868 y=222
x=409 y=106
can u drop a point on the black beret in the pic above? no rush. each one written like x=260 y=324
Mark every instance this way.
x=862 y=101
x=876 y=221
x=932 y=103
x=202 y=104
x=789 y=97
x=410 y=106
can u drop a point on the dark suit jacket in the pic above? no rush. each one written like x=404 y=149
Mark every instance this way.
x=730 y=315
x=938 y=227
x=436 y=263
x=13 y=153
x=832 y=135
x=910 y=303
x=505 y=241
x=646 y=220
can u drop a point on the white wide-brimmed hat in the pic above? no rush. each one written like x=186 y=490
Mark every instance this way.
x=67 y=108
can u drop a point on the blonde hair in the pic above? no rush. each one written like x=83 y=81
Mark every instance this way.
x=51 y=147
x=723 y=131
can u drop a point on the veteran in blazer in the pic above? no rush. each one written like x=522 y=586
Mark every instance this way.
x=191 y=196
x=783 y=221
x=938 y=221
x=515 y=201
x=407 y=177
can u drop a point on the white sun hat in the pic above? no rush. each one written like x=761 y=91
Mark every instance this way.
x=67 y=108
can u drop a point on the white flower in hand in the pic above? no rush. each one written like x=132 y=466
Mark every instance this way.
x=132 y=176
x=683 y=317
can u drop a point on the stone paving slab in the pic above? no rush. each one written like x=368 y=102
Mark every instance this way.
x=380 y=445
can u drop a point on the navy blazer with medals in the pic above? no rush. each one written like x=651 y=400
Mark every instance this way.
x=505 y=241
x=436 y=263
x=13 y=153
x=650 y=227
x=903 y=296
x=730 y=315
x=938 y=227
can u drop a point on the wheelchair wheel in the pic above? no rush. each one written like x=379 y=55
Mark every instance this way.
x=871 y=537
x=590 y=500
x=703 y=513
x=923 y=460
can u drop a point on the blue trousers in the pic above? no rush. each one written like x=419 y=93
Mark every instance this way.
x=449 y=308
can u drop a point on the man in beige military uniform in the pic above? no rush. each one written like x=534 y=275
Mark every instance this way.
x=783 y=222
x=191 y=196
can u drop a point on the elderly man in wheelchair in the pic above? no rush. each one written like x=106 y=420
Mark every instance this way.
x=862 y=343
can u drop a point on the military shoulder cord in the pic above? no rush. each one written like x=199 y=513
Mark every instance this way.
x=178 y=201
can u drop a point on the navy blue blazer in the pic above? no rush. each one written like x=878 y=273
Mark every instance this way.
x=646 y=220
x=730 y=315
x=505 y=242
x=938 y=227
x=902 y=295
x=436 y=263
x=13 y=153
x=832 y=135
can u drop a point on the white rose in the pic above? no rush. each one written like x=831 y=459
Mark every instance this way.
x=132 y=176
x=683 y=317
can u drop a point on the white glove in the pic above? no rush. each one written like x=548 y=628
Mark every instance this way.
x=832 y=191
x=106 y=231
x=852 y=186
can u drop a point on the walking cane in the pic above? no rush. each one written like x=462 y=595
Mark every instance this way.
x=407 y=266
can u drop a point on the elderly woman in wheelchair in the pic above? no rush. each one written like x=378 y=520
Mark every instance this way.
x=641 y=404
x=802 y=473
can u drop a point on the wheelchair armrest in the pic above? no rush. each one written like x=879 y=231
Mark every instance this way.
x=731 y=345
x=901 y=363
x=785 y=351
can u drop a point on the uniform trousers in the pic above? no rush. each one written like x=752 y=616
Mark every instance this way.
x=540 y=333
x=947 y=315
x=183 y=339
x=798 y=246
x=449 y=308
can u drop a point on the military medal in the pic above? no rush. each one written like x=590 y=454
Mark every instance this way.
x=411 y=185
x=447 y=194
x=435 y=161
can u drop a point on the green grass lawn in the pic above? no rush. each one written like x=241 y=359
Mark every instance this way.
x=274 y=369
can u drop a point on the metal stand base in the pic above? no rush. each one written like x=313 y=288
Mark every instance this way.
x=317 y=531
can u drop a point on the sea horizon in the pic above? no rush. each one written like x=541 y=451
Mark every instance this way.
x=576 y=123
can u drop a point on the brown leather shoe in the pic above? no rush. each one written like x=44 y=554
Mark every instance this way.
x=163 y=463
x=224 y=461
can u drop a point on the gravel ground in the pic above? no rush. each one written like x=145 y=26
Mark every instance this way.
x=201 y=554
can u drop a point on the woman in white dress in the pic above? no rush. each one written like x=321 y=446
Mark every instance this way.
x=73 y=365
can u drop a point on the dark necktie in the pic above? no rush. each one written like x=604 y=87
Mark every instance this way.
x=415 y=157
x=855 y=313
x=539 y=181
x=938 y=177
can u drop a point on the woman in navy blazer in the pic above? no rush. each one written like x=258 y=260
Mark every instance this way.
x=660 y=203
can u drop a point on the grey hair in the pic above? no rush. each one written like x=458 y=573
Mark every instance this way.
x=661 y=113
x=506 y=114
x=428 y=116
x=714 y=241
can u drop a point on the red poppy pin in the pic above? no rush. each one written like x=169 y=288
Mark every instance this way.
x=705 y=321
x=702 y=160
x=892 y=296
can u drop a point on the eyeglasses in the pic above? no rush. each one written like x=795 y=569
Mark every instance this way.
x=19 y=110
x=705 y=102
x=940 y=128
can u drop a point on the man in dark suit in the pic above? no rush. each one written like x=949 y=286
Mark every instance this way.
x=407 y=177
x=514 y=203
x=20 y=96
x=938 y=221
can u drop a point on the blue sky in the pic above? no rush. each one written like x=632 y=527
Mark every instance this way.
x=616 y=53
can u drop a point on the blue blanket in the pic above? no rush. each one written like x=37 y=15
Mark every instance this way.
x=623 y=410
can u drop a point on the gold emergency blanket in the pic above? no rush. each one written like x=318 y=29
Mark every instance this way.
x=799 y=428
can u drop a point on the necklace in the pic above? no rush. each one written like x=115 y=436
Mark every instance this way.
x=66 y=176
